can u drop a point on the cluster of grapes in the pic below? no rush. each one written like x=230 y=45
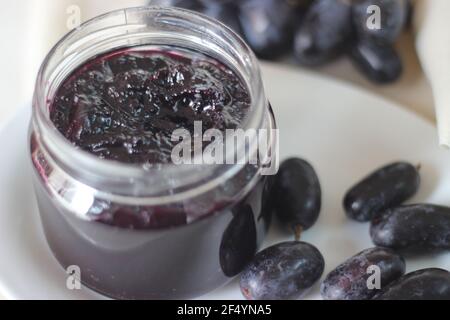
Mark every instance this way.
x=315 y=31
x=287 y=270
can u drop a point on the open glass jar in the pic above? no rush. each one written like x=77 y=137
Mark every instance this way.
x=150 y=232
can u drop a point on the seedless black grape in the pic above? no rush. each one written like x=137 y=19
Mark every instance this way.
x=388 y=186
x=416 y=226
x=297 y=194
x=283 y=271
x=349 y=281
x=425 y=284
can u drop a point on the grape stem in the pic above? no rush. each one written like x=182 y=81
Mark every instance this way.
x=298 y=232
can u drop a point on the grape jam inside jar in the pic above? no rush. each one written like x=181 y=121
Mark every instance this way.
x=113 y=204
x=124 y=105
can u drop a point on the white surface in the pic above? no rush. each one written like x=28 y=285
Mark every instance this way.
x=343 y=131
x=433 y=48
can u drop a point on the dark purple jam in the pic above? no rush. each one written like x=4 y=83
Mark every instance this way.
x=125 y=105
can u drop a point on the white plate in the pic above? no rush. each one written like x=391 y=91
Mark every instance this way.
x=343 y=131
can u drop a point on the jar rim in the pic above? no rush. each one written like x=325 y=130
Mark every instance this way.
x=72 y=157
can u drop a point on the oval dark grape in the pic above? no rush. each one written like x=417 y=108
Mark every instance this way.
x=390 y=14
x=349 y=280
x=299 y=5
x=283 y=271
x=324 y=32
x=226 y=12
x=297 y=194
x=379 y=62
x=196 y=5
x=267 y=26
x=239 y=241
x=419 y=226
x=386 y=187
x=425 y=284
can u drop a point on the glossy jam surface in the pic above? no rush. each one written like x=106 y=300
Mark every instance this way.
x=125 y=105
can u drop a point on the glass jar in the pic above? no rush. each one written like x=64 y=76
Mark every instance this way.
x=180 y=230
